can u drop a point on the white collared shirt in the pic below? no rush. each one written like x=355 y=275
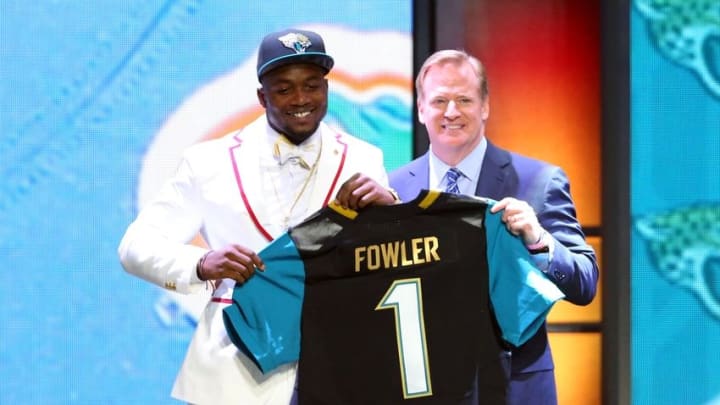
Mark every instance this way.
x=469 y=167
x=288 y=186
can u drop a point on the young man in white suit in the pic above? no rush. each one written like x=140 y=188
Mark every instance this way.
x=240 y=192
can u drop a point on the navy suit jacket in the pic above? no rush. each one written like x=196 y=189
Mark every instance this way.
x=546 y=188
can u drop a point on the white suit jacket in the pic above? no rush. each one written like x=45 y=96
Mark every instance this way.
x=216 y=192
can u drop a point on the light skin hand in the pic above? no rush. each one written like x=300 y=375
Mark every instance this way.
x=359 y=191
x=519 y=218
x=235 y=262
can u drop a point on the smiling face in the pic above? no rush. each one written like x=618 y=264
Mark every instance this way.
x=295 y=99
x=452 y=109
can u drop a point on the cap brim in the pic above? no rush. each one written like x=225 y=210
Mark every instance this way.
x=320 y=59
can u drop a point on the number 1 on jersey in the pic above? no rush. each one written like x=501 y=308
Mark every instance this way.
x=405 y=297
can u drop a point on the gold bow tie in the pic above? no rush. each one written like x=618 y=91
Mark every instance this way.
x=284 y=151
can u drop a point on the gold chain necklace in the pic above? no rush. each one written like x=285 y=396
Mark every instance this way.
x=288 y=213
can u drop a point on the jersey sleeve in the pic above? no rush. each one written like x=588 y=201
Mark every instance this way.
x=521 y=295
x=263 y=320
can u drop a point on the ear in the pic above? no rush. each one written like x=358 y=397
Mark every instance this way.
x=486 y=108
x=261 y=96
x=421 y=111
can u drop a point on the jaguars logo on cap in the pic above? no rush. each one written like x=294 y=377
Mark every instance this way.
x=297 y=42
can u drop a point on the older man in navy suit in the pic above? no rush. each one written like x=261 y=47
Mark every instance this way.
x=453 y=104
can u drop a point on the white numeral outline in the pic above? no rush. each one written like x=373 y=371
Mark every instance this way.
x=405 y=298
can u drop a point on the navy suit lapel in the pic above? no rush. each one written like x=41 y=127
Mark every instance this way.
x=408 y=181
x=497 y=176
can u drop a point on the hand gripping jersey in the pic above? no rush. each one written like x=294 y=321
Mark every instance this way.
x=395 y=304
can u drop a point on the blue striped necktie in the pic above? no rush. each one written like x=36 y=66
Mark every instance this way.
x=452 y=176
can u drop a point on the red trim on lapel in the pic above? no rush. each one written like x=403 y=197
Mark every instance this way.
x=340 y=168
x=250 y=211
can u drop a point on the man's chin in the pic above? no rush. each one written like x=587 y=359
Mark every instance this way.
x=454 y=137
x=299 y=134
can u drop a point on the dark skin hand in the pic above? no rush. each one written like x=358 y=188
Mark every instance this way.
x=232 y=261
x=359 y=191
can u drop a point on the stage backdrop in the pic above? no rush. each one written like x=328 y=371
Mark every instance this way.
x=97 y=100
x=675 y=190
x=544 y=79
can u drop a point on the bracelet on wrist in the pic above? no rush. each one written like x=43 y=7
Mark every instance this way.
x=539 y=246
x=199 y=265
